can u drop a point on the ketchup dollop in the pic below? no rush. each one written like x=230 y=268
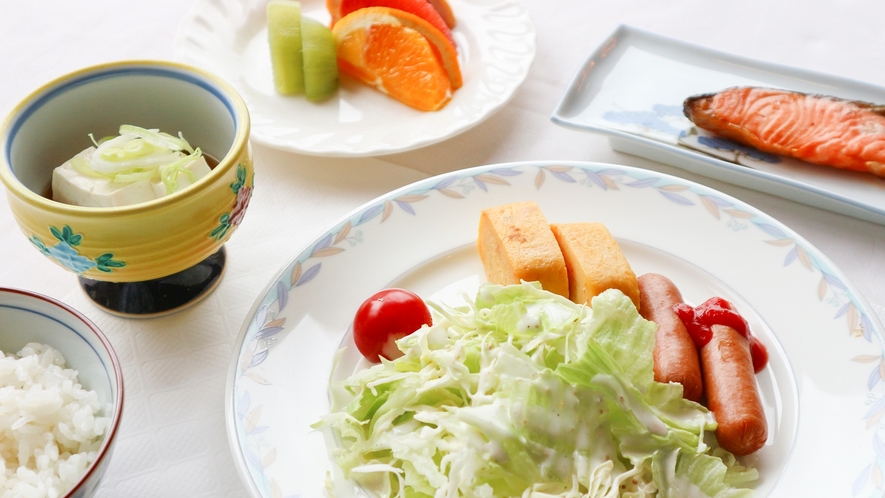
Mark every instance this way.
x=718 y=311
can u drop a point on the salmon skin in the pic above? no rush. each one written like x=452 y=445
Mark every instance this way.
x=819 y=129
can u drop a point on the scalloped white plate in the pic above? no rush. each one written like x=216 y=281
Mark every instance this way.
x=822 y=389
x=496 y=47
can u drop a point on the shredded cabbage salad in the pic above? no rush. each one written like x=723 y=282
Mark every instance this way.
x=140 y=154
x=526 y=394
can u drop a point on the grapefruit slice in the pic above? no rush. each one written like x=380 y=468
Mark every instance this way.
x=445 y=11
x=421 y=8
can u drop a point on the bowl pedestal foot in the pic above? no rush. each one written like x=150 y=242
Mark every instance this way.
x=161 y=296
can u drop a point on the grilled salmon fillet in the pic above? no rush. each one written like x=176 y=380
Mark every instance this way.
x=815 y=128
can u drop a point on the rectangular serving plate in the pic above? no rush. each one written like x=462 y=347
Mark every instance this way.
x=632 y=87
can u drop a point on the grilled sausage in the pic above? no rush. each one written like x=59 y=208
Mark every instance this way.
x=675 y=354
x=731 y=391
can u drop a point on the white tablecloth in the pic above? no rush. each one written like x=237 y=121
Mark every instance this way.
x=172 y=441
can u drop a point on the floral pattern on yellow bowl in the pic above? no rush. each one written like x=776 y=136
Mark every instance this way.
x=233 y=219
x=65 y=253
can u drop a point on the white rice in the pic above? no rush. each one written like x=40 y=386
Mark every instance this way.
x=50 y=431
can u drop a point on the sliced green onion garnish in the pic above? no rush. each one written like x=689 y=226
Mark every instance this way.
x=169 y=173
x=134 y=176
x=100 y=140
x=82 y=166
x=157 y=138
x=139 y=154
x=188 y=146
x=133 y=149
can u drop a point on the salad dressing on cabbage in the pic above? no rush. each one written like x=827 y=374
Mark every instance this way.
x=524 y=393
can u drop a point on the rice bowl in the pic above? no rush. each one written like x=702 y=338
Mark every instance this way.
x=61 y=398
x=49 y=431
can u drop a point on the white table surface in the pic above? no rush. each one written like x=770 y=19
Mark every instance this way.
x=172 y=441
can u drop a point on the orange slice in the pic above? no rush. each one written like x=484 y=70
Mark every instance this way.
x=400 y=54
x=421 y=8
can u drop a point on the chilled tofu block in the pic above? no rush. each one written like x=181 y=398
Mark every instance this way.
x=594 y=261
x=515 y=243
x=74 y=187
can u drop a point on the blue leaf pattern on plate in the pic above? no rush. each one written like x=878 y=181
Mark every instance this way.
x=861 y=480
x=445 y=182
x=243 y=404
x=309 y=274
x=268 y=332
x=791 y=256
x=843 y=310
x=258 y=358
x=874 y=379
x=504 y=172
x=610 y=172
x=678 y=199
x=369 y=214
x=877 y=406
x=771 y=230
x=282 y=294
x=670 y=120
x=835 y=282
x=564 y=176
x=405 y=207
x=597 y=179
x=653 y=120
x=648 y=182
x=730 y=145
x=323 y=243
x=879 y=446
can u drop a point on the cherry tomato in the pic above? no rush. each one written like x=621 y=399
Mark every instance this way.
x=387 y=316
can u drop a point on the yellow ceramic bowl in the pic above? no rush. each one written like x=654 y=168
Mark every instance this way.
x=143 y=241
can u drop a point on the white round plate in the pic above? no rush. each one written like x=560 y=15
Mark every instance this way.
x=822 y=389
x=496 y=47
